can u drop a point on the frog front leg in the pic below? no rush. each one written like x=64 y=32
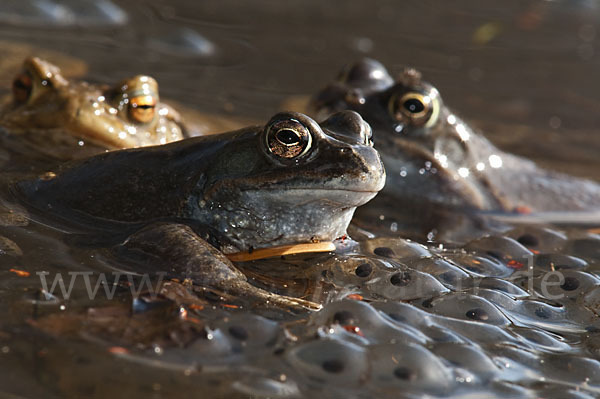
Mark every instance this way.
x=182 y=253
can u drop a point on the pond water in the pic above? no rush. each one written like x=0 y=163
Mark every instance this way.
x=400 y=319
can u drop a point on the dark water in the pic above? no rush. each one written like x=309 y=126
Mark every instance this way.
x=474 y=321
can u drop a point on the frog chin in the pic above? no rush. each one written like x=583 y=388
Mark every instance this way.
x=259 y=219
x=308 y=227
x=334 y=197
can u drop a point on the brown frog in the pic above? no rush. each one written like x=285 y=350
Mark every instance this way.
x=47 y=109
x=434 y=160
x=189 y=207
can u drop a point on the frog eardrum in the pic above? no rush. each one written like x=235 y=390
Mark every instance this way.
x=288 y=138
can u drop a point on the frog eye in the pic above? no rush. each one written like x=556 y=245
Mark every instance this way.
x=22 y=87
x=413 y=107
x=288 y=139
x=142 y=108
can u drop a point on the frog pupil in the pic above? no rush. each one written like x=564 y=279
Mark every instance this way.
x=288 y=137
x=143 y=106
x=414 y=106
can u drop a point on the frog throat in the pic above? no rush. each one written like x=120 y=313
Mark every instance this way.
x=263 y=253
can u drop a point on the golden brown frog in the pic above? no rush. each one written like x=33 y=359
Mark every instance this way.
x=45 y=105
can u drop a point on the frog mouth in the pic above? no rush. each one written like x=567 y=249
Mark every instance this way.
x=342 y=198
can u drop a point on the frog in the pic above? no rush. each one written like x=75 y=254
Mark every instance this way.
x=191 y=206
x=435 y=161
x=58 y=116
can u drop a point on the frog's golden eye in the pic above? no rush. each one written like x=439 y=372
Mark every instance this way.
x=22 y=87
x=142 y=108
x=288 y=139
x=412 y=107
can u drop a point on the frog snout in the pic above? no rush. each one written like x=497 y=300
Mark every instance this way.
x=350 y=127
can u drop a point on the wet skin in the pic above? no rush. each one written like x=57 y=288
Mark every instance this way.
x=186 y=204
x=60 y=116
x=434 y=159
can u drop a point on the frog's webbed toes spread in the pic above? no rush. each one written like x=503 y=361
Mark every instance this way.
x=183 y=254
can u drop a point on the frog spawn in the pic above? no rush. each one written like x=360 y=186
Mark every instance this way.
x=492 y=336
x=403 y=317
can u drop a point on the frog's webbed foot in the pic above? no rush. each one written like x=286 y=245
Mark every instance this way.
x=185 y=255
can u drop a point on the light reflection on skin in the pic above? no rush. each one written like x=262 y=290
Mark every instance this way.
x=462 y=132
x=495 y=161
x=442 y=158
x=463 y=172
